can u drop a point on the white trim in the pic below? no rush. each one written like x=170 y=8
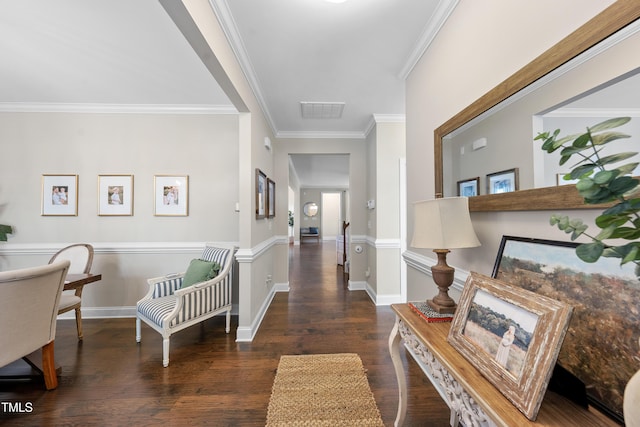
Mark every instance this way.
x=230 y=29
x=386 y=243
x=359 y=286
x=382 y=300
x=247 y=333
x=9 y=249
x=41 y=107
x=251 y=254
x=443 y=11
x=423 y=265
x=594 y=112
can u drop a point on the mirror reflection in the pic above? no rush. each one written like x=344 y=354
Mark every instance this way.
x=600 y=84
x=310 y=209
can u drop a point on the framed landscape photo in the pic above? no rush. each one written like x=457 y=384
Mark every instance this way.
x=115 y=195
x=261 y=194
x=512 y=336
x=271 y=198
x=605 y=326
x=171 y=195
x=469 y=187
x=59 y=195
x=503 y=182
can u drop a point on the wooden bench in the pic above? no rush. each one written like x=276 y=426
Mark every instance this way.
x=309 y=233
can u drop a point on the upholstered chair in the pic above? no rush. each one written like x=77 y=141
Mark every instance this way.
x=177 y=301
x=28 y=310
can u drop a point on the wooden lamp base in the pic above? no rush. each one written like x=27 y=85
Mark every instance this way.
x=443 y=277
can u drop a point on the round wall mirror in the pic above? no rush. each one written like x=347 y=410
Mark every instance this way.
x=310 y=209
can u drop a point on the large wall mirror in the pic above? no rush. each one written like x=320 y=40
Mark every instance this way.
x=591 y=75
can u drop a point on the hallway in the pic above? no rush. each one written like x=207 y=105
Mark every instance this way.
x=109 y=380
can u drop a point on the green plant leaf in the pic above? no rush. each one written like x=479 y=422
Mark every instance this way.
x=585 y=184
x=4 y=230
x=606 y=232
x=622 y=185
x=610 y=124
x=627 y=169
x=570 y=151
x=590 y=252
x=603 y=221
x=582 y=141
x=615 y=158
x=582 y=170
x=627 y=233
x=605 y=138
x=603 y=177
x=557 y=143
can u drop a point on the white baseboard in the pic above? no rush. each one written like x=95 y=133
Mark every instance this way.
x=247 y=333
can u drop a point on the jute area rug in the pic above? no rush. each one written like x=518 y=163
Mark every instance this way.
x=322 y=390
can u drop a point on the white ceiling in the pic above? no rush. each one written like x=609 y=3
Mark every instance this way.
x=124 y=55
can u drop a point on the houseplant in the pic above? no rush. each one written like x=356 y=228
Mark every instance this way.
x=600 y=182
x=4 y=230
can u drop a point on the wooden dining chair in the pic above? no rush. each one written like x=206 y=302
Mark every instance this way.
x=81 y=257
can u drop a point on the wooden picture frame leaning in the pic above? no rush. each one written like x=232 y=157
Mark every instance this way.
x=511 y=336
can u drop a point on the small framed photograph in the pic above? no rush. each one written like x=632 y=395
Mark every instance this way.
x=261 y=194
x=171 y=195
x=271 y=198
x=469 y=187
x=59 y=195
x=511 y=336
x=503 y=181
x=115 y=195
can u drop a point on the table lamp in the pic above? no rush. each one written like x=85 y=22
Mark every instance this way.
x=443 y=224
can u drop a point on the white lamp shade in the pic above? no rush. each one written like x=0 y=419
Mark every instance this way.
x=443 y=224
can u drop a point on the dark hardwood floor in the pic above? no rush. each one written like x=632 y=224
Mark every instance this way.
x=110 y=380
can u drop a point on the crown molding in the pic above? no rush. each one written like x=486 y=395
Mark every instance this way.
x=41 y=107
x=443 y=11
x=230 y=29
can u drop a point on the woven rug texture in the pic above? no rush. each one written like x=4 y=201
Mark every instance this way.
x=322 y=390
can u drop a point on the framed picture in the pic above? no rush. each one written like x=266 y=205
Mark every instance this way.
x=469 y=187
x=261 y=194
x=601 y=346
x=503 y=181
x=271 y=198
x=115 y=195
x=59 y=195
x=512 y=336
x=171 y=195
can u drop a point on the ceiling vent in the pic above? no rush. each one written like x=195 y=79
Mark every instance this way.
x=321 y=110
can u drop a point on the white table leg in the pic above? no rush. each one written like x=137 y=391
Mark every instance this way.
x=394 y=349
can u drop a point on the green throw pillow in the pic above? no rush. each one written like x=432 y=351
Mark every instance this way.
x=200 y=271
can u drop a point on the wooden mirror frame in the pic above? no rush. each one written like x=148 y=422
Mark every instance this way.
x=614 y=18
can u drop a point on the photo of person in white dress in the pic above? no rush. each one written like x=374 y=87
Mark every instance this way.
x=502 y=355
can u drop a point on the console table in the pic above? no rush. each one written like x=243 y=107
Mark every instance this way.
x=473 y=400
